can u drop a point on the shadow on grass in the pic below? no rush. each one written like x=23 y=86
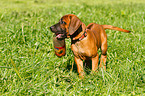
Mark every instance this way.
x=87 y=66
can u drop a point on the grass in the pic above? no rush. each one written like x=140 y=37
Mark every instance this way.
x=28 y=63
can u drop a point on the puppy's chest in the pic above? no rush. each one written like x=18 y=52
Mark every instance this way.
x=81 y=50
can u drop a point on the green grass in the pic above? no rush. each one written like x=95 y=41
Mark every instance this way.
x=28 y=65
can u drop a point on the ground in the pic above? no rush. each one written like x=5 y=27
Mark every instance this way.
x=30 y=67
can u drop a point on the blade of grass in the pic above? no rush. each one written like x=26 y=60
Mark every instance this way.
x=5 y=67
x=17 y=72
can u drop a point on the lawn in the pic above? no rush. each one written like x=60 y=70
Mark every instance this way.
x=28 y=65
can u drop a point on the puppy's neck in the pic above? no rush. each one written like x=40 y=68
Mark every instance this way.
x=80 y=31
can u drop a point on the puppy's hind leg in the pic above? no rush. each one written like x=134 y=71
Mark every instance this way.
x=103 y=56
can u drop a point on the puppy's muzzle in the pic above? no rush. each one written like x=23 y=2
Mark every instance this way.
x=60 y=34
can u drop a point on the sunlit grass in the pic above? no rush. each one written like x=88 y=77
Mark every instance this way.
x=28 y=63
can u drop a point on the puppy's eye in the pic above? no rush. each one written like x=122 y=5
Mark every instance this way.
x=62 y=22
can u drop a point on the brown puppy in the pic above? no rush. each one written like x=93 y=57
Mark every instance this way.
x=85 y=41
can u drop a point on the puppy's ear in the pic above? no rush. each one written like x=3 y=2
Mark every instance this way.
x=75 y=23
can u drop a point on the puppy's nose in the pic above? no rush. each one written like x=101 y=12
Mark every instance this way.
x=52 y=27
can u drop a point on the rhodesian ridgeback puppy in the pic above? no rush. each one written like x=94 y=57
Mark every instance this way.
x=85 y=41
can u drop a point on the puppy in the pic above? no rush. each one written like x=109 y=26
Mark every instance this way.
x=85 y=41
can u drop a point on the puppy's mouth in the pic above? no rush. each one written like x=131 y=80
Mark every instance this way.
x=60 y=36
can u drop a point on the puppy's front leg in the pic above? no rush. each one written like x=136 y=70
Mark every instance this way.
x=95 y=61
x=79 y=63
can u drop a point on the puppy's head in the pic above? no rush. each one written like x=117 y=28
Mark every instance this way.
x=66 y=26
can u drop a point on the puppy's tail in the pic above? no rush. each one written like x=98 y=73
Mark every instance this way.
x=114 y=28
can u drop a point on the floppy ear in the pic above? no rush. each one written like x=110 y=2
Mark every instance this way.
x=75 y=23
